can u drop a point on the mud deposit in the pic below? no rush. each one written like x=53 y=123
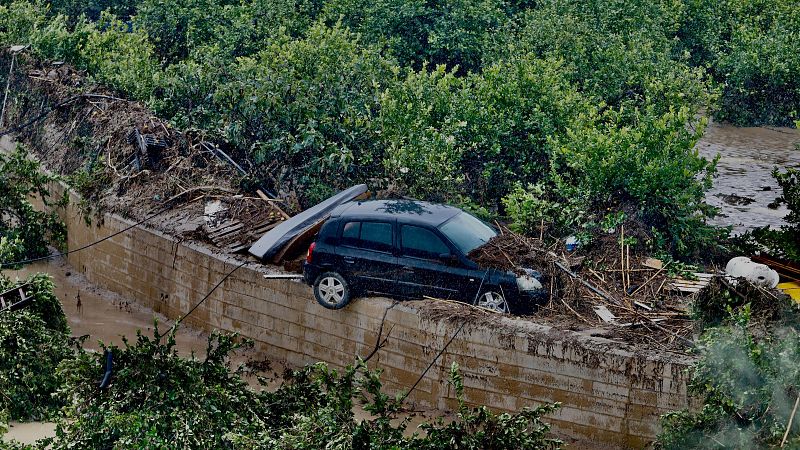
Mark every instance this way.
x=744 y=187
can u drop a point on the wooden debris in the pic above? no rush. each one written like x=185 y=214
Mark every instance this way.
x=690 y=286
x=653 y=263
x=14 y=298
x=605 y=314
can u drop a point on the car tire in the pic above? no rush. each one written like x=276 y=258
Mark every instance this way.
x=331 y=290
x=494 y=300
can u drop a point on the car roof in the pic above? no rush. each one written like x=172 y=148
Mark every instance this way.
x=405 y=211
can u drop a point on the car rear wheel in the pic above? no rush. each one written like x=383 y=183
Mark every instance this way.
x=493 y=300
x=331 y=290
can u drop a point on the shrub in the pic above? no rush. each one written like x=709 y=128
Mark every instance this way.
x=32 y=230
x=33 y=341
x=421 y=33
x=309 y=104
x=752 y=49
x=652 y=165
x=784 y=242
x=478 y=135
x=748 y=388
x=157 y=398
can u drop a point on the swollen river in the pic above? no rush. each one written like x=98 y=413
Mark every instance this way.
x=744 y=187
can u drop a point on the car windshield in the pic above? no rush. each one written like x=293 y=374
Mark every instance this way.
x=467 y=232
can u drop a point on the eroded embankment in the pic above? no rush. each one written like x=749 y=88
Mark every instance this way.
x=609 y=396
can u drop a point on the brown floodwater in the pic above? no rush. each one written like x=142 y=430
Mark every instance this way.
x=744 y=187
x=107 y=317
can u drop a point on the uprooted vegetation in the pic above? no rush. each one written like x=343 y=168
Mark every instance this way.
x=122 y=159
x=33 y=341
x=159 y=398
x=25 y=232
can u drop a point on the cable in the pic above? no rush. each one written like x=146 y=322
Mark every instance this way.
x=54 y=255
x=435 y=358
x=177 y=322
x=452 y=338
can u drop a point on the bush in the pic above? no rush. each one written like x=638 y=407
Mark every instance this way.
x=157 y=398
x=650 y=169
x=748 y=388
x=478 y=135
x=752 y=49
x=20 y=223
x=33 y=341
x=309 y=104
x=785 y=242
x=422 y=33
x=616 y=52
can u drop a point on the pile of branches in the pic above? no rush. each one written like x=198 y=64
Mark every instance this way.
x=609 y=275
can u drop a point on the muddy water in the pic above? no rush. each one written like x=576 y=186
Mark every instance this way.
x=107 y=317
x=103 y=315
x=744 y=187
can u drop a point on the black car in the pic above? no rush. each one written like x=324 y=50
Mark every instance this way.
x=407 y=248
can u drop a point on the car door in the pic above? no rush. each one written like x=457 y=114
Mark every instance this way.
x=366 y=256
x=429 y=266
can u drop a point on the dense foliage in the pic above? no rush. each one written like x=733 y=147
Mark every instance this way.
x=784 y=242
x=33 y=341
x=537 y=110
x=752 y=48
x=749 y=387
x=25 y=232
x=159 y=399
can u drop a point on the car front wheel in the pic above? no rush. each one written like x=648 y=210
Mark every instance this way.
x=493 y=300
x=331 y=290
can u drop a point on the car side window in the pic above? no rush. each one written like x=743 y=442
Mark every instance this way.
x=368 y=235
x=422 y=243
x=350 y=233
x=376 y=236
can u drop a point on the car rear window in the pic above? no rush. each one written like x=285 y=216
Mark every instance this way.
x=368 y=235
x=422 y=243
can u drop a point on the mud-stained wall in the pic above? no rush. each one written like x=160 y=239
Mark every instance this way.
x=610 y=398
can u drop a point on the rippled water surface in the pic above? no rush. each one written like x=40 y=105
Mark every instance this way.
x=744 y=186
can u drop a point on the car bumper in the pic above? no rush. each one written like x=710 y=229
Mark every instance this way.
x=310 y=273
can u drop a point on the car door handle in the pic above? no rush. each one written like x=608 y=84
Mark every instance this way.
x=349 y=260
x=407 y=269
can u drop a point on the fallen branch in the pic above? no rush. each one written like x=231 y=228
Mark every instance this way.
x=791 y=419
x=586 y=283
x=379 y=344
x=199 y=188
x=649 y=279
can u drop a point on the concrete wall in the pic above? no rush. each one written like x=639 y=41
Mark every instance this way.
x=609 y=397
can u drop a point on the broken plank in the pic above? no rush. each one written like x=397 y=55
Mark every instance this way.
x=653 y=263
x=605 y=314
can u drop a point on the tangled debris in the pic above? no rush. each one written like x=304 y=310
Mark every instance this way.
x=122 y=159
